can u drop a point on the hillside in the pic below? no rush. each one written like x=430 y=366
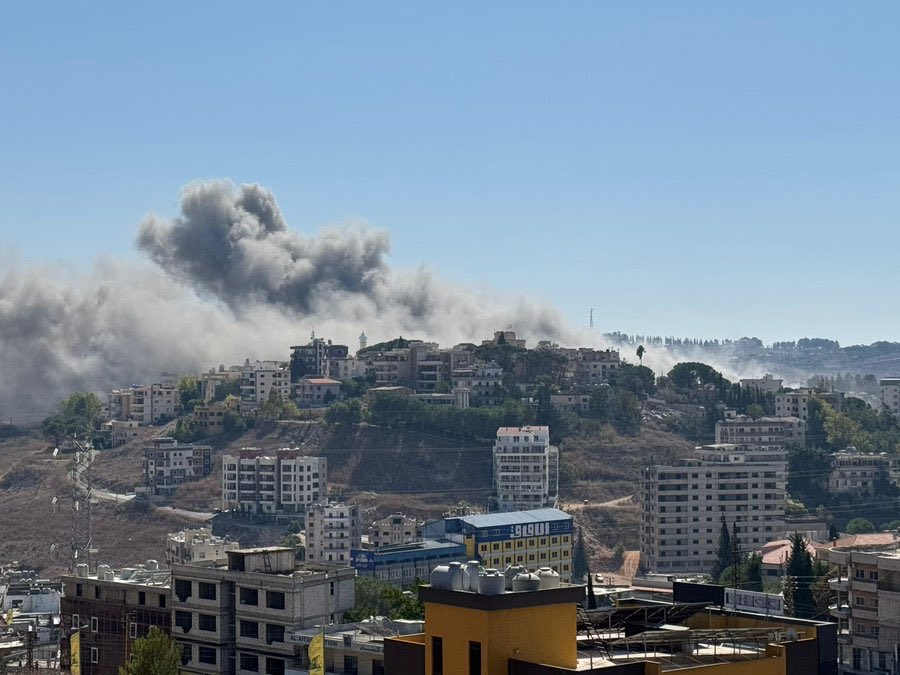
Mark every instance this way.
x=385 y=470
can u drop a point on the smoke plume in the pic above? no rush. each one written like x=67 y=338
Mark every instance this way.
x=224 y=281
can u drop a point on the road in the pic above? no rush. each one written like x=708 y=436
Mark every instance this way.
x=612 y=503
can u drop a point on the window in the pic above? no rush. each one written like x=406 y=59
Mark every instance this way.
x=132 y=630
x=474 y=658
x=206 y=655
x=249 y=596
x=207 y=622
x=95 y=655
x=274 y=600
x=184 y=620
x=377 y=667
x=97 y=592
x=274 y=666
x=274 y=633
x=162 y=599
x=76 y=620
x=250 y=662
x=206 y=591
x=182 y=589
x=249 y=629
x=79 y=590
x=351 y=665
x=187 y=652
x=437 y=656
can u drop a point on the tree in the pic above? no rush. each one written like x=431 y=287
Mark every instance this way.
x=640 y=354
x=580 y=564
x=755 y=411
x=800 y=570
x=156 y=654
x=833 y=534
x=79 y=415
x=724 y=553
x=377 y=598
x=188 y=393
x=860 y=526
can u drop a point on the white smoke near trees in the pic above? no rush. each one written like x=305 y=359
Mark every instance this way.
x=224 y=281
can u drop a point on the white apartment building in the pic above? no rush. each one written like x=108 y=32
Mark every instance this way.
x=890 y=394
x=168 y=463
x=268 y=483
x=595 y=366
x=260 y=379
x=771 y=432
x=331 y=531
x=121 y=431
x=317 y=391
x=212 y=380
x=793 y=403
x=767 y=384
x=682 y=505
x=146 y=404
x=198 y=545
x=526 y=469
x=854 y=472
x=867 y=609
x=238 y=618
x=395 y=529
x=483 y=381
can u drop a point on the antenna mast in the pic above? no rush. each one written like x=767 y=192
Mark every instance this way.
x=82 y=534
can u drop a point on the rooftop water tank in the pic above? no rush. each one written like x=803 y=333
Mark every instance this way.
x=526 y=582
x=471 y=571
x=511 y=572
x=81 y=570
x=549 y=578
x=152 y=565
x=449 y=577
x=492 y=582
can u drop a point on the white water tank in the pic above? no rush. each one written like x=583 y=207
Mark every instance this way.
x=526 y=582
x=511 y=572
x=152 y=565
x=492 y=582
x=81 y=570
x=471 y=571
x=549 y=578
x=449 y=577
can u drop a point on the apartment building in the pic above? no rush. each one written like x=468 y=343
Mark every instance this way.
x=317 y=391
x=168 y=464
x=857 y=472
x=121 y=431
x=332 y=531
x=209 y=418
x=211 y=381
x=526 y=468
x=536 y=538
x=595 y=366
x=867 y=583
x=395 y=529
x=263 y=482
x=505 y=337
x=772 y=432
x=573 y=402
x=108 y=610
x=260 y=380
x=147 y=404
x=198 y=545
x=403 y=564
x=483 y=381
x=682 y=505
x=793 y=403
x=309 y=359
x=890 y=394
x=423 y=367
x=237 y=618
x=767 y=384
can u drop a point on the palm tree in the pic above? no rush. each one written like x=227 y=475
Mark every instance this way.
x=640 y=354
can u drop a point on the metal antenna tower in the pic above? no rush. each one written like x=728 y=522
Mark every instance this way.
x=591 y=322
x=82 y=534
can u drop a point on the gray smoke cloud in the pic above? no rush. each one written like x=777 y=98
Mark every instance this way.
x=223 y=281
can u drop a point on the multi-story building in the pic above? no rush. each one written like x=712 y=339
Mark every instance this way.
x=767 y=384
x=268 y=483
x=147 y=404
x=168 y=463
x=392 y=368
x=121 y=431
x=403 y=564
x=211 y=381
x=395 y=529
x=526 y=468
x=857 y=472
x=573 y=402
x=308 y=359
x=890 y=394
x=505 y=337
x=332 y=531
x=537 y=538
x=237 y=618
x=198 y=545
x=772 y=432
x=317 y=391
x=108 y=610
x=867 y=609
x=262 y=379
x=484 y=382
x=209 y=418
x=793 y=403
x=683 y=505
x=596 y=366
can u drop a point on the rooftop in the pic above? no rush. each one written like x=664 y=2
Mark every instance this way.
x=514 y=517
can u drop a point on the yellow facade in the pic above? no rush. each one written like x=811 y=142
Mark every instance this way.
x=541 y=634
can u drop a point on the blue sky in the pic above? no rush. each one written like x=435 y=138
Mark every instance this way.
x=700 y=169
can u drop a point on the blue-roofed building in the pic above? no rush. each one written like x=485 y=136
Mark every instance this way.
x=402 y=564
x=537 y=538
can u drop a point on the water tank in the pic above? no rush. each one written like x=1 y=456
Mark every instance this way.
x=152 y=565
x=448 y=577
x=81 y=570
x=492 y=582
x=471 y=571
x=511 y=572
x=101 y=571
x=526 y=582
x=549 y=578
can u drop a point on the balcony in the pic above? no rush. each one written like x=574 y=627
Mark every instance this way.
x=864 y=585
x=841 y=585
x=839 y=611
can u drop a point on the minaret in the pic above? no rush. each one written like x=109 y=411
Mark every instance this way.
x=362 y=340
